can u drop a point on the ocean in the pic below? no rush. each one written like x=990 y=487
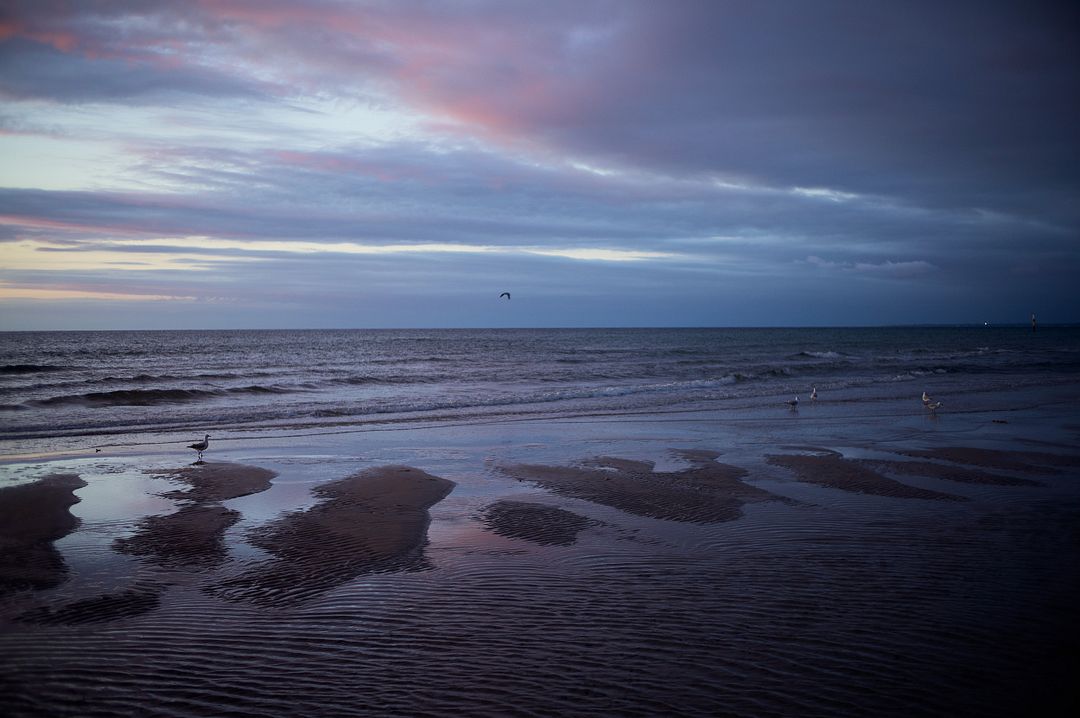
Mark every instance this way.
x=63 y=390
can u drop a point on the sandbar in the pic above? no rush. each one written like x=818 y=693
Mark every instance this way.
x=1032 y=462
x=369 y=522
x=832 y=470
x=706 y=492
x=218 y=481
x=943 y=471
x=32 y=516
x=193 y=537
x=539 y=523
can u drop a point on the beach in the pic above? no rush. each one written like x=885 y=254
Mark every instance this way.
x=638 y=567
x=630 y=533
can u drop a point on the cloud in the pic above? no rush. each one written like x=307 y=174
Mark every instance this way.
x=32 y=70
x=911 y=269
x=620 y=145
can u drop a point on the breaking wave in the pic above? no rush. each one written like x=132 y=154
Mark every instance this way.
x=151 y=397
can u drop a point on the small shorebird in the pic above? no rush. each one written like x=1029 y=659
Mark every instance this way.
x=794 y=403
x=925 y=399
x=933 y=406
x=201 y=446
x=813 y=394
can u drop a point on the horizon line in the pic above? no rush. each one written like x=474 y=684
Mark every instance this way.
x=917 y=325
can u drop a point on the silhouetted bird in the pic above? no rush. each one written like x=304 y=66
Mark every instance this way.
x=201 y=446
x=794 y=403
x=504 y=294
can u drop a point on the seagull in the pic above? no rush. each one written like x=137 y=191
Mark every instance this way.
x=200 y=446
x=925 y=399
x=504 y=294
x=933 y=406
x=813 y=394
x=794 y=403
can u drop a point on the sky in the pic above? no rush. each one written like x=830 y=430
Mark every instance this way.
x=282 y=164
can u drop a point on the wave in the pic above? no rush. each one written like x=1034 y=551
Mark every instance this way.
x=150 y=378
x=151 y=397
x=819 y=355
x=386 y=380
x=31 y=368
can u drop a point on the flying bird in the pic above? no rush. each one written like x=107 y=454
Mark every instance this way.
x=200 y=446
x=504 y=294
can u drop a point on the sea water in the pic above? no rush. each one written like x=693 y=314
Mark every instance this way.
x=63 y=390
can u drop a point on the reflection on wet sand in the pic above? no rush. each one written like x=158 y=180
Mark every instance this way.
x=373 y=521
x=194 y=535
x=882 y=606
x=546 y=525
x=830 y=469
x=1033 y=462
x=32 y=517
x=706 y=492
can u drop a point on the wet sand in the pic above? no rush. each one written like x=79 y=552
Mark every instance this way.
x=32 y=516
x=218 y=481
x=946 y=472
x=817 y=607
x=373 y=521
x=706 y=492
x=832 y=470
x=99 y=609
x=1032 y=462
x=538 y=523
x=194 y=535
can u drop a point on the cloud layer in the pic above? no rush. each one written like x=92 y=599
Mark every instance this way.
x=333 y=163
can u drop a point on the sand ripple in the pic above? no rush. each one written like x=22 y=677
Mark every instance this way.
x=32 y=517
x=834 y=471
x=905 y=608
x=707 y=492
x=867 y=619
x=218 y=481
x=193 y=536
x=534 y=522
x=108 y=607
x=374 y=521
x=949 y=473
x=1033 y=462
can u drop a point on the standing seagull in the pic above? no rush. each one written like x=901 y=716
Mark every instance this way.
x=201 y=446
x=794 y=403
x=925 y=399
x=504 y=294
x=813 y=394
x=933 y=406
